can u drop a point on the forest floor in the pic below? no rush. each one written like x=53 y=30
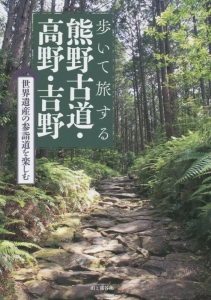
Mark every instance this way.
x=121 y=248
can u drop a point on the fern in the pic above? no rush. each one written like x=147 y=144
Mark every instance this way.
x=190 y=155
x=198 y=168
x=10 y=254
x=2 y=201
x=5 y=231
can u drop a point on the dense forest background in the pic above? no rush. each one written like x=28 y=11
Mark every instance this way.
x=161 y=124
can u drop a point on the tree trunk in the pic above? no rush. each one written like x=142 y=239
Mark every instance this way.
x=158 y=77
x=154 y=109
x=66 y=5
x=42 y=3
x=136 y=94
x=27 y=42
x=44 y=153
x=143 y=85
x=72 y=5
x=172 y=91
x=165 y=92
x=136 y=128
x=201 y=80
x=53 y=5
x=82 y=5
x=208 y=6
x=12 y=66
x=8 y=31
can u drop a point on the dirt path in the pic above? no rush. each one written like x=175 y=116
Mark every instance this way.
x=121 y=250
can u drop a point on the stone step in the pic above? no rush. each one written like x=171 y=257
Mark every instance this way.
x=123 y=252
x=119 y=195
x=113 y=188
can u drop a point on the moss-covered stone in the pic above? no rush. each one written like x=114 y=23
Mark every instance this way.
x=58 y=256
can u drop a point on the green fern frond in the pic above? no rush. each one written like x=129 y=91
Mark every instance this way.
x=5 y=231
x=2 y=201
x=10 y=254
x=206 y=180
x=189 y=155
x=27 y=245
x=12 y=222
x=17 y=199
x=206 y=207
x=198 y=168
x=201 y=189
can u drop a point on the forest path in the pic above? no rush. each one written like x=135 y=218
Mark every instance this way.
x=120 y=249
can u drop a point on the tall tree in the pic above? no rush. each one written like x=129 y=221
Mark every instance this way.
x=11 y=67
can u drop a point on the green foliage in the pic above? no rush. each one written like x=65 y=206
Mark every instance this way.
x=65 y=186
x=58 y=189
x=95 y=170
x=200 y=167
x=11 y=254
x=177 y=177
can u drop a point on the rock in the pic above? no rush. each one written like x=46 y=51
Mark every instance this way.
x=90 y=234
x=130 y=240
x=123 y=220
x=153 y=232
x=116 y=248
x=20 y=293
x=128 y=259
x=155 y=245
x=80 y=277
x=118 y=274
x=104 y=256
x=174 y=236
x=143 y=251
x=164 y=220
x=100 y=241
x=64 y=234
x=68 y=220
x=36 y=287
x=106 y=204
x=157 y=258
x=24 y=274
x=115 y=212
x=48 y=271
x=151 y=218
x=119 y=195
x=101 y=215
x=104 y=223
x=73 y=292
x=82 y=262
x=177 y=269
x=51 y=241
x=106 y=296
x=140 y=213
x=163 y=289
x=183 y=257
x=58 y=256
x=130 y=227
x=110 y=199
x=75 y=247
x=121 y=205
x=131 y=200
x=110 y=187
x=88 y=225
x=183 y=246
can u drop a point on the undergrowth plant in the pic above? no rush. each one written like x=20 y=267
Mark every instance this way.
x=67 y=187
x=96 y=170
x=25 y=209
x=177 y=176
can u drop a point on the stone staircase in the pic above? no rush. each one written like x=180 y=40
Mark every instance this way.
x=120 y=249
